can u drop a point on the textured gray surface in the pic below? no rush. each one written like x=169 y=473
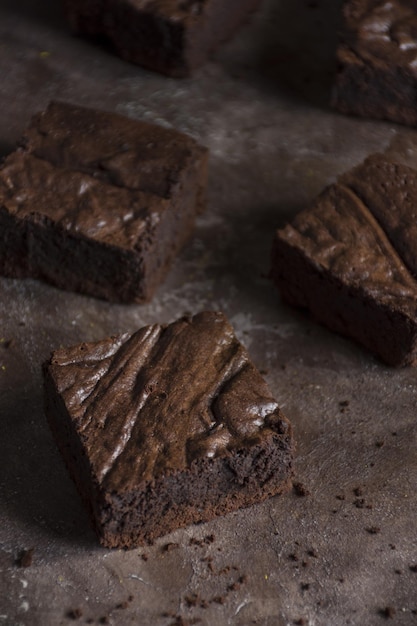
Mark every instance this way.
x=261 y=108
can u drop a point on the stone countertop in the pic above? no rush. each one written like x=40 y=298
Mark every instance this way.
x=346 y=553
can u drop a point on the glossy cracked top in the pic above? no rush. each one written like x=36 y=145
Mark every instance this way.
x=96 y=173
x=383 y=30
x=153 y=402
x=361 y=230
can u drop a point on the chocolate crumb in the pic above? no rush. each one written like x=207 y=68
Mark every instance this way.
x=242 y=579
x=398 y=571
x=340 y=496
x=219 y=599
x=358 y=491
x=301 y=621
x=305 y=586
x=388 y=612
x=25 y=558
x=104 y=620
x=359 y=503
x=89 y=620
x=168 y=547
x=313 y=552
x=305 y=563
x=394 y=433
x=379 y=444
x=344 y=403
x=7 y=343
x=373 y=530
x=413 y=567
x=233 y=587
x=209 y=538
x=130 y=598
x=392 y=546
x=122 y=605
x=293 y=556
x=74 y=614
x=300 y=489
x=144 y=556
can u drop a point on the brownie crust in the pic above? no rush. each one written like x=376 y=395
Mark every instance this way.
x=349 y=259
x=173 y=37
x=97 y=203
x=377 y=58
x=166 y=427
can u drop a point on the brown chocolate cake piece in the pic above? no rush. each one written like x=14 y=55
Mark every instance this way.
x=173 y=37
x=166 y=427
x=377 y=57
x=351 y=259
x=98 y=203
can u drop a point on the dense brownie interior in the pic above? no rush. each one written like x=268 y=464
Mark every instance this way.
x=377 y=57
x=98 y=203
x=168 y=426
x=170 y=36
x=349 y=258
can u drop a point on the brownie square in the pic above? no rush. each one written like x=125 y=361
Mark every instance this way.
x=377 y=58
x=173 y=37
x=98 y=203
x=166 y=427
x=351 y=259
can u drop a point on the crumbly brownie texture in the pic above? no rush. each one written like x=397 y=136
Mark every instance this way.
x=169 y=36
x=377 y=59
x=98 y=203
x=166 y=427
x=351 y=259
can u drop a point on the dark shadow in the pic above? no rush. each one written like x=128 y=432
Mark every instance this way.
x=49 y=12
x=36 y=488
x=5 y=149
x=291 y=47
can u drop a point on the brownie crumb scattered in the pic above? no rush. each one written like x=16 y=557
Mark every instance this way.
x=293 y=557
x=301 y=621
x=305 y=586
x=144 y=556
x=358 y=491
x=313 y=552
x=373 y=530
x=392 y=546
x=75 y=613
x=340 y=496
x=104 y=620
x=300 y=489
x=6 y=343
x=379 y=444
x=25 y=558
x=413 y=568
x=398 y=571
x=219 y=599
x=388 y=612
x=359 y=503
x=168 y=547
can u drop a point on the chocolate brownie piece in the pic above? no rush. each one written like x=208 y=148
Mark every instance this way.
x=377 y=57
x=98 y=203
x=169 y=36
x=351 y=259
x=165 y=427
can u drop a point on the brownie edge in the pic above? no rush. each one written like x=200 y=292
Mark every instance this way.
x=169 y=426
x=98 y=203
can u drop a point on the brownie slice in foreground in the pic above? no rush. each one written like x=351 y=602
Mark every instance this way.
x=173 y=37
x=377 y=57
x=351 y=259
x=98 y=203
x=166 y=427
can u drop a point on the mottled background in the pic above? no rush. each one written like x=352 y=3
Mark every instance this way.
x=347 y=552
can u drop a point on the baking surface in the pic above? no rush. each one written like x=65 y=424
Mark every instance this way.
x=346 y=553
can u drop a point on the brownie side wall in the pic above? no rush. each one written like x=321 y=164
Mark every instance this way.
x=177 y=222
x=35 y=247
x=69 y=445
x=211 y=487
x=381 y=92
x=172 y=47
x=388 y=332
